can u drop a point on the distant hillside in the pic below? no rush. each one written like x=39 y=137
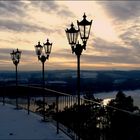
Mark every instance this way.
x=65 y=80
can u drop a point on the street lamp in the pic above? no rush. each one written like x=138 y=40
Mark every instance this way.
x=72 y=35
x=15 y=56
x=43 y=55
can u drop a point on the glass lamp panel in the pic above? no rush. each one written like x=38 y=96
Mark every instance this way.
x=50 y=49
x=47 y=47
x=18 y=54
x=84 y=32
x=84 y=27
x=87 y=31
x=74 y=38
x=38 y=49
x=12 y=55
x=69 y=36
x=72 y=35
x=81 y=32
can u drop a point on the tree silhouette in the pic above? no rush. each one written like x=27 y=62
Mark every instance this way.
x=123 y=121
x=116 y=121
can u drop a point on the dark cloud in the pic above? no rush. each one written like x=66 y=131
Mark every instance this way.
x=5 y=54
x=116 y=55
x=21 y=26
x=12 y=40
x=26 y=62
x=53 y=7
x=123 y=59
x=12 y=8
x=131 y=35
x=27 y=56
x=122 y=10
x=65 y=53
x=5 y=50
x=111 y=53
x=110 y=48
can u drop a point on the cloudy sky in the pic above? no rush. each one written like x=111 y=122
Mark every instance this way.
x=113 y=43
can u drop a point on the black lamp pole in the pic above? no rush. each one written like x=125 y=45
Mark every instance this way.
x=78 y=51
x=15 y=56
x=16 y=76
x=72 y=35
x=43 y=60
x=43 y=56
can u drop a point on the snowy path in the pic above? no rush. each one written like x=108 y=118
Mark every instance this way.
x=17 y=124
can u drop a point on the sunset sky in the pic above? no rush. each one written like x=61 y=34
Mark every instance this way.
x=114 y=41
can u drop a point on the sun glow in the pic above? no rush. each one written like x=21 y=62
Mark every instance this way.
x=38 y=24
x=102 y=25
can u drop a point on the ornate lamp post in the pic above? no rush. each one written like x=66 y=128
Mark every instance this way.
x=72 y=35
x=15 y=56
x=43 y=56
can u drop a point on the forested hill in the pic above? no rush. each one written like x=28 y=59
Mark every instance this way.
x=66 y=80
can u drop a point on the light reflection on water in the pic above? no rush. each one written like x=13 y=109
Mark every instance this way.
x=63 y=102
x=135 y=94
x=105 y=101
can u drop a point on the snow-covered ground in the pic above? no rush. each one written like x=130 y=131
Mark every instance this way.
x=17 y=125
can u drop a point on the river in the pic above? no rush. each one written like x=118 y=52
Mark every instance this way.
x=135 y=94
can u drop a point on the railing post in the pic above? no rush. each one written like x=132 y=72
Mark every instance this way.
x=3 y=95
x=17 y=107
x=28 y=98
x=57 y=103
x=3 y=100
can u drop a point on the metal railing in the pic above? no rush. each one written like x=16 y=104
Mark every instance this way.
x=92 y=120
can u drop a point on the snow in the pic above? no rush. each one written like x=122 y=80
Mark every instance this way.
x=17 y=124
x=57 y=82
x=89 y=75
